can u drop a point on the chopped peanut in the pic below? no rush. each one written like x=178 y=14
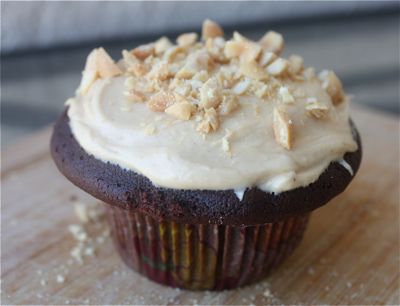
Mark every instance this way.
x=225 y=144
x=309 y=73
x=233 y=49
x=249 y=49
x=252 y=70
x=211 y=29
x=243 y=48
x=296 y=64
x=182 y=110
x=267 y=58
x=171 y=53
x=250 y=52
x=210 y=122
x=143 y=51
x=210 y=94
x=278 y=67
x=106 y=65
x=161 y=45
x=138 y=69
x=273 y=42
x=98 y=64
x=315 y=109
x=260 y=90
x=241 y=87
x=215 y=46
x=332 y=85
x=135 y=95
x=186 y=39
x=160 y=71
x=183 y=90
x=285 y=95
x=201 y=76
x=283 y=128
x=160 y=101
x=196 y=62
x=228 y=105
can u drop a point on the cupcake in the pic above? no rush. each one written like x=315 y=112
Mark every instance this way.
x=210 y=154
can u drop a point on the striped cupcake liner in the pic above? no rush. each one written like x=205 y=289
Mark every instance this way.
x=202 y=256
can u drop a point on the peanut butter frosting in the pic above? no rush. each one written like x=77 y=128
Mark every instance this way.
x=212 y=114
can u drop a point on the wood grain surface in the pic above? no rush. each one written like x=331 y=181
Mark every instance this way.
x=350 y=253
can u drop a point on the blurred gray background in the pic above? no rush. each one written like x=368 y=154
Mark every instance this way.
x=44 y=45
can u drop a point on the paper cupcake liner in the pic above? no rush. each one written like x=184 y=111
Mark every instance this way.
x=202 y=256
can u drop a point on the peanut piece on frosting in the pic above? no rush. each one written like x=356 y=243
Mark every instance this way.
x=233 y=49
x=296 y=64
x=210 y=122
x=196 y=62
x=225 y=142
x=98 y=64
x=225 y=145
x=161 y=45
x=143 y=51
x=138 y=69
x=228 y=105
x=315 y=109
x=210 y=94
x=267 y=58
x=285 y=95
x=309 y=73
x=252 y=70
x=283 y=128
x=186 y=39
x=211 y=29
x=182 y=110
x=260 y=90
x=135 y=95
x=251 y=52
x=171 y=53
x=106 y=65
x=332 y=85
x=241 y=87
x=215 y=46
x=273 y=42
x=160 y=71
x=242 y=47
x=249 y=49
x=278 y=67
x=160 y=101
x=183 y=89
x=201 y=76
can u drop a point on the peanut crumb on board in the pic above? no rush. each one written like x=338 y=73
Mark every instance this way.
x=60 y=279
x=210 y=77
x=91 y=221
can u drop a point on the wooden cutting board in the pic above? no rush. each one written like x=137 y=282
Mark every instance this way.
x=350 y=253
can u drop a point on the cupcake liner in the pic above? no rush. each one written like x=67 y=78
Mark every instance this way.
x=202 y=256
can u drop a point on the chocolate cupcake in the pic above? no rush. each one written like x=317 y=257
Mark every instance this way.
x=210 y=155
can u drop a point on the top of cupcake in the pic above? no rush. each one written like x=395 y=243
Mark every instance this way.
x=212 y=114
